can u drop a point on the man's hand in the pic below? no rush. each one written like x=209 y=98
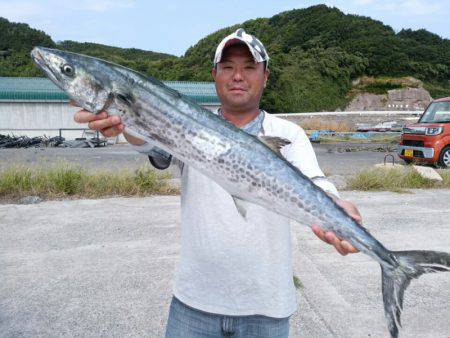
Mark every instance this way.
x=109 y=126
x=341 y=246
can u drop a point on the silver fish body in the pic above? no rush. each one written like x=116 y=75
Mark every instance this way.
x=242 y=164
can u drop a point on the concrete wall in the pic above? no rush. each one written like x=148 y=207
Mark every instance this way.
x=351 y=119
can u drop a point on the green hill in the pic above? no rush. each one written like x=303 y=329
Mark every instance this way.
x=138 y=59
x=17 y=40
x=315 y=54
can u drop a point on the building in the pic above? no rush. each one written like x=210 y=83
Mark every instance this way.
x=36 y=107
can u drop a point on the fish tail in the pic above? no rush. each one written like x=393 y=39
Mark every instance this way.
x=395 y=280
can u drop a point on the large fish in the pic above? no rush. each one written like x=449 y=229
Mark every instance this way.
x=249 y=168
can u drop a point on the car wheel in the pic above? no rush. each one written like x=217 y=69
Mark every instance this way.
x=444 y=157
x=407 y=161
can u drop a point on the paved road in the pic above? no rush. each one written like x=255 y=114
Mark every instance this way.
x=123 y=156
x=105 y=158
x=102 y=268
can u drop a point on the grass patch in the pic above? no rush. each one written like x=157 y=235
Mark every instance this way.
x=381 y=85
x=381 y=88
x=317 y=123
x=64 y=180
x=395 y=179
x=438 y=89
x=297 y=282
x=381 y=138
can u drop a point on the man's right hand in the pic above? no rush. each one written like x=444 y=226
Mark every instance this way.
x=108 y=126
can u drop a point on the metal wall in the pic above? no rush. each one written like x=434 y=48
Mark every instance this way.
x=43 y=118
x=38 y=118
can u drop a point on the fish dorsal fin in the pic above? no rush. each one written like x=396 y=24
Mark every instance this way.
x=274 y=142
x=241 y=206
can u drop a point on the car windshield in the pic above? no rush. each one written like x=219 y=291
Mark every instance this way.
x=437 y=112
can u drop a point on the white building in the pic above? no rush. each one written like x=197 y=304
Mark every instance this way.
x=36 y=107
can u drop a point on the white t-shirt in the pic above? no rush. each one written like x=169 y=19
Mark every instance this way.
x=235 y=266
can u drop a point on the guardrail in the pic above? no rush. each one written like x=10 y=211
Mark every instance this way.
x=349 y=113
x=60 y=130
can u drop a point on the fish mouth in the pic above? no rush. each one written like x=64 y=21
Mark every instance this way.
x=36 y=55
x=40 y=60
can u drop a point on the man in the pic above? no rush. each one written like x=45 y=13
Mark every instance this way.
x=234 y=277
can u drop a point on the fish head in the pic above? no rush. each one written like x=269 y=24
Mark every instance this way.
x=87 y=80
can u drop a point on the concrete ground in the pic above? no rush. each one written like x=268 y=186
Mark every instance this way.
x=102 y=268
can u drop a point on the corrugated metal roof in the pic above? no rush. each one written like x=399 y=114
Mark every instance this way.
x=38 y=89
x=29 y=89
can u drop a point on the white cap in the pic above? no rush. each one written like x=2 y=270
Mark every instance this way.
x=254 y=45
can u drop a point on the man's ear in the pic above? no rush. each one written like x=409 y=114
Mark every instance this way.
x=214 y=72
x=266 y=77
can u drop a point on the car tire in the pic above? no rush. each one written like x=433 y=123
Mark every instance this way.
x=444 y=158
x=407 y=161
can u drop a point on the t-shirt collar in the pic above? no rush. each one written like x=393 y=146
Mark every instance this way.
x=254 y=126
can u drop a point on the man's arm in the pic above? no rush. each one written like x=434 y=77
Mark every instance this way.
x=159 y=158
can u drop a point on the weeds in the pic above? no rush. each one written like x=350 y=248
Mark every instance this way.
x=317 y=123
x=386 y=138
x=396 y=179
x=65 y=180
x=381 y=85
x=297 y=282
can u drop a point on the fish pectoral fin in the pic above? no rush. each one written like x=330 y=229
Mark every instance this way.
x=125 y=98
x=241 y=206
x=273 y=142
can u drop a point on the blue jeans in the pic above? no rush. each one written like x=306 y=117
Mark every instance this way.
x=187 y=322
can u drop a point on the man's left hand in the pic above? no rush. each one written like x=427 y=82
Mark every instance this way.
x=341 y=246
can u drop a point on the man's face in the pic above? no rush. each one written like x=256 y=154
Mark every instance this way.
x=240 y=81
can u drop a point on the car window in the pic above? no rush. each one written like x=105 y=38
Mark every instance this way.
x=436 y=112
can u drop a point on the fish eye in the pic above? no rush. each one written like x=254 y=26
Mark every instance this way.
x=67 y=69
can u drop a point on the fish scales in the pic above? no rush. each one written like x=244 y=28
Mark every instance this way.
x=243 y=165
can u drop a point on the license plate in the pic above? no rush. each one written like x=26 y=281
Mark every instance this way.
x=409 y=152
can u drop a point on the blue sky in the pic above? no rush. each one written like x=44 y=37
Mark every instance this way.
x=172 y=26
